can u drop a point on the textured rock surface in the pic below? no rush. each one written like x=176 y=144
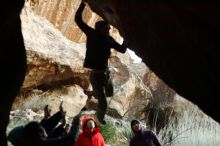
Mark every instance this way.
x=72 y=96
x=54 y=61
x=61 y=13
x=177 y=40
x=52 y=58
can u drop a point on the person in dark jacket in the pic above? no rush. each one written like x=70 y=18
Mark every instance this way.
x=34 y=134
x=99 y=44
x=14 y=136
x=49 y=123
x=90 y=135
x=142 y=137
x=48 y=127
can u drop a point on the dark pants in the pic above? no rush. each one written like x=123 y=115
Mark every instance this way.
x=102 y=88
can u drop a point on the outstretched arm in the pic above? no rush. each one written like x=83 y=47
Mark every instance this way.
x=67 y=140
x=78 y=19
x=120 y=48
x=50 y=123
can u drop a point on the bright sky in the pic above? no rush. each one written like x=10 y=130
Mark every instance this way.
x=134 y=56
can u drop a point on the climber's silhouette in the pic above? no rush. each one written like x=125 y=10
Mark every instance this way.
x=98 y=45
x=48 y=132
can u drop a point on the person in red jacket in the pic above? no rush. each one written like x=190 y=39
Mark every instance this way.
x=90 y=135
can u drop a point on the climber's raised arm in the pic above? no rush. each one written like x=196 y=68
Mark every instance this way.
x=78 y=19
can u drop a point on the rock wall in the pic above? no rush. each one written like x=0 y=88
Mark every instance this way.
x=177 y=40
x=55 y=63
x=55 y=67
x=61 y=13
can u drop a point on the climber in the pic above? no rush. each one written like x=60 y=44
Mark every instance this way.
x=99 y=44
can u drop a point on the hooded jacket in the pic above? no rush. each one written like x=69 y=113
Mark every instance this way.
x=86 y=138
x=143 y=137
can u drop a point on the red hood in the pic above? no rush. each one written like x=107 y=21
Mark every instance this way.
x=84 y=122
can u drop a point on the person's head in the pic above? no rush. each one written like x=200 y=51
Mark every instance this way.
x=102 y=27
x=15 y=135
x=136 y=125
x=90 y=124
x=33 y=131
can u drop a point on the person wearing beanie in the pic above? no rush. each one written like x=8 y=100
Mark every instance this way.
x=142 y=137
